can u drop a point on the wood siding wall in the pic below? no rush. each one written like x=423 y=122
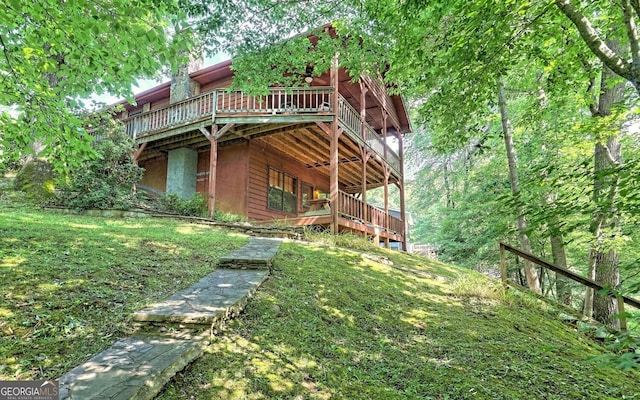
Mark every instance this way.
x=231 y=186
x=155 y=174
x=221 y=83
x=231 y=177
x=261 y=157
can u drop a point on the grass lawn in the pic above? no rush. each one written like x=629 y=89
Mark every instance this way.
x=331 y=323
x=69 y=284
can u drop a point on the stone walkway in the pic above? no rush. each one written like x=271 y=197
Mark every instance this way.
x=138 y=367
x=255 y=255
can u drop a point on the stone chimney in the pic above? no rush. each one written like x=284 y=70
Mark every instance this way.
x=182 y=86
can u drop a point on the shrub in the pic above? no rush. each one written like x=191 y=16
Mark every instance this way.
x=36 y=178
x=195 y=206
x=108 y=180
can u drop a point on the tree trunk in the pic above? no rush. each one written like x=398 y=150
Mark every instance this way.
x=605 y=224
x=529 y=269
x=447 y=185
x=563 y=287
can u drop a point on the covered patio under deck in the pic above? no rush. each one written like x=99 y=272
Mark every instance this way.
x=317 y=126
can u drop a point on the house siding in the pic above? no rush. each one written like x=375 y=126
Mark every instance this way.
x=231 y=178
x=261 y=157
x=221 y=83
x=155 y=174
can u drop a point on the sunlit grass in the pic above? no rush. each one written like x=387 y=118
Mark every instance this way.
x=69 y=284
x=11 y=261
x=332 y=323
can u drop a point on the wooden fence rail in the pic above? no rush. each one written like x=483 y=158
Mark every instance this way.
x=565 y=272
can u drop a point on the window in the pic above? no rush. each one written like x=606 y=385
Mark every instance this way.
x=282 y=194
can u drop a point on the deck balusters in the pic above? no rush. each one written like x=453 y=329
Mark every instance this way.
x=278 y=101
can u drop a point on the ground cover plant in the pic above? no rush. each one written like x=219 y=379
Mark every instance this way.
x=69 y=284
x=334 y=323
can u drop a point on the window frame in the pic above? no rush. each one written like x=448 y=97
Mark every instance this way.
x=285 y=206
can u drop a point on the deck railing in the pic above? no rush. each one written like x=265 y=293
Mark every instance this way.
x=189 y=110
x=356 y=209
x=378 y=89
x=351 y=122
x=396 y=225
x=278 y=100
x=222 y=102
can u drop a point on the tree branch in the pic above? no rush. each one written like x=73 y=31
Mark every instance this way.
x=632 y=31
x=593 y=40
x=607 y=153
x=636 y=7
x=6 y=56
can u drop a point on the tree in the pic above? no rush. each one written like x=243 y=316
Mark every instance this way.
x=512 y=160
x=623 y=59
x=605 y=259
x=56 y=53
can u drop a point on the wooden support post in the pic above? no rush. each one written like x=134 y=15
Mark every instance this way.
x=365 y=159
x=364 y=155
x=503 y=265
x=385 y=169
x=136 y=154
x=333 y=156
x=403 y=211
x=363 y=109
x=623 y=319
x=384 y=135
x=386 y=204
x=213 y=162
x=333 y=182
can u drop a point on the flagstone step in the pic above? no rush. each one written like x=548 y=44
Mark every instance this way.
x=138 y=367
x=220 y=294
x=133 y=368
x=258 y=254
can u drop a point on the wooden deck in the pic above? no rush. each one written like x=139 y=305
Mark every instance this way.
x=354 y=215
x=296 y=123
x=279 y=107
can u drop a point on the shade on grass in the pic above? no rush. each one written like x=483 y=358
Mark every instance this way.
x=331 y=323
x=69 y=284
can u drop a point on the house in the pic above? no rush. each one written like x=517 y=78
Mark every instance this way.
x=304 y=155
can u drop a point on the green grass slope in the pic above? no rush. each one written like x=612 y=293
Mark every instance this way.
x=69 y=284
x=332 y=323
x=329 y=323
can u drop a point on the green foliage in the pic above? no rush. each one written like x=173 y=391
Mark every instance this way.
x=195 y=206
x=108 y=180
x=477 y=286
x=224 y=216
x=37 y=179
x=56 y=53
x=345 y=240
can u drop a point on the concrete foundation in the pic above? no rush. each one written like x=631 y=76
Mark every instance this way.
x=181 y=172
